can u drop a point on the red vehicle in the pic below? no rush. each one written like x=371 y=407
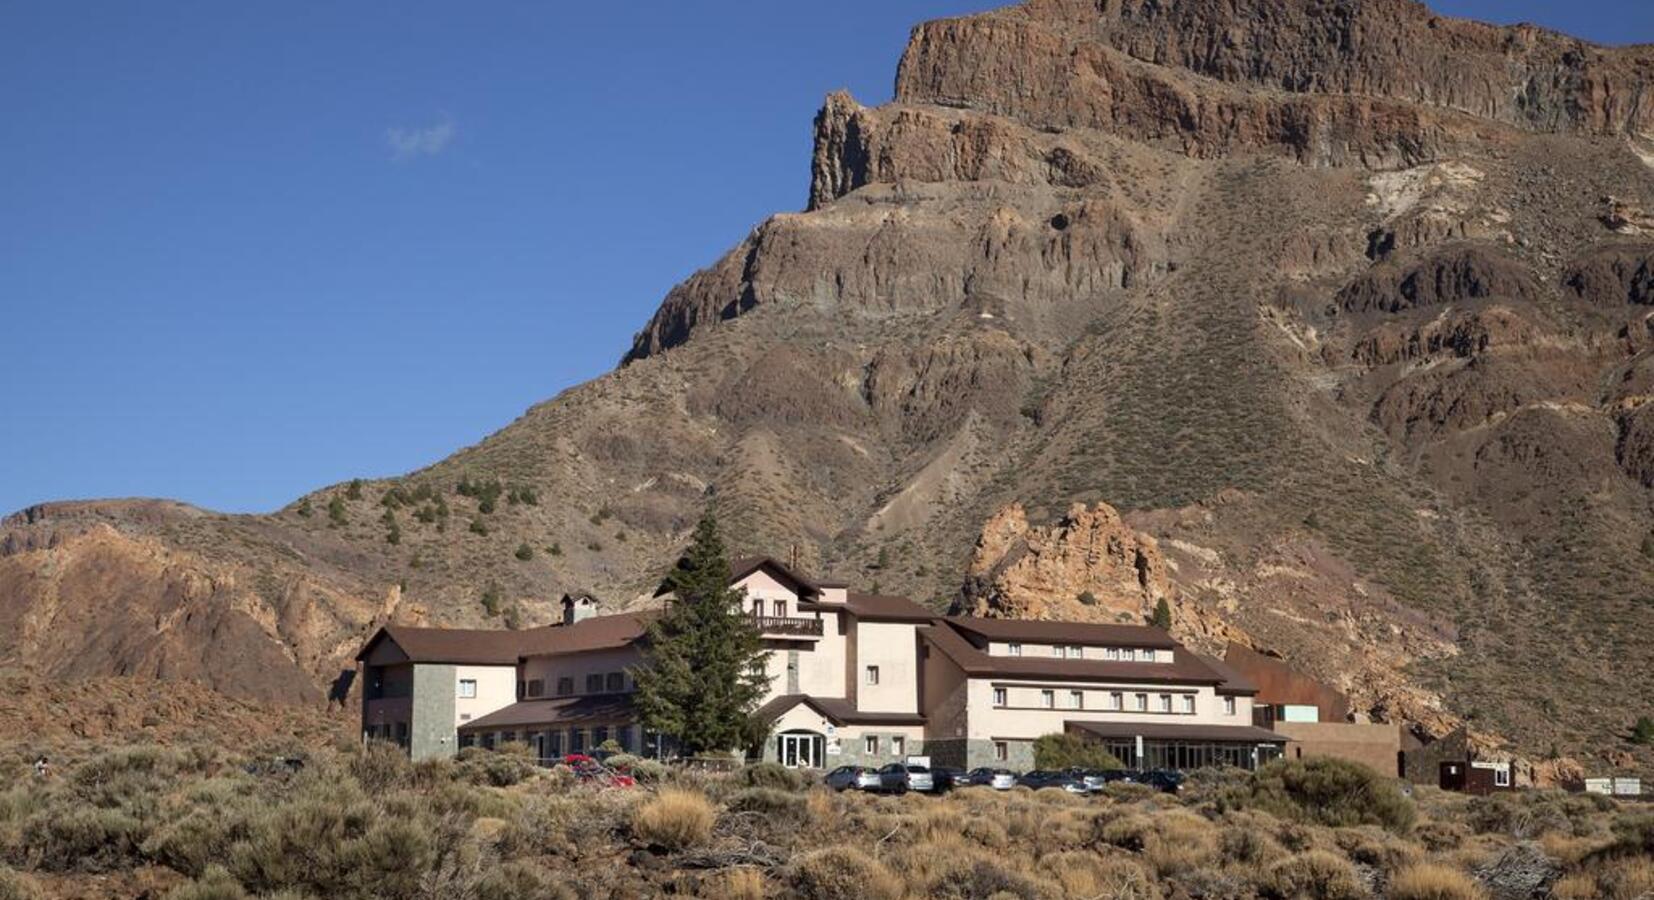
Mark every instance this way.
x=588 y=768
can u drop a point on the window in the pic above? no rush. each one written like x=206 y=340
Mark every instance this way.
x=1111 y=653
x=1129 y=655
x=1140 y=702
x=1076 y=652
x=1002 y=752
x=577 y=741
x=1165 y=703
x=1048 y=699
x=1013 y=649
x=872 y=674
x=1076 y=700
x=467 y=688
x=1501 y=776
x=616 y=682
x=536 y=687
x=1148 y=654
x=1116 y=700
x=1188 y=704
x=510 y=737
x=594 y=684
x=780 y=609
x=999 y=696
x=599 y=735
x=870 y=745
x=467 y=740
x=1059 y=650
x=898 y=745
x=1229 y=706
x=565 y=686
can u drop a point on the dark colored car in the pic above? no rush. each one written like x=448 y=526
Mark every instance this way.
x=998 y=779
x=901 y=778
x=1040 y=779
x=947 y=777
x=853 y=778
x=1163 y=780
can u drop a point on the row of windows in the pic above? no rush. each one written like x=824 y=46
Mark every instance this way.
x=596 y=683
x=1116 y=701
x=557 y=744
x=1075 y=651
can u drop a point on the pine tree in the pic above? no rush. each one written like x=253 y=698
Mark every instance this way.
x=1162 y=615
x=702 y=675
x=1643 y=731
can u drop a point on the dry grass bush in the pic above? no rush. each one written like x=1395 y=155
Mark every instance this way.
x=1325 y=791
x=842 y=873
x=521 y=881
x=381 y=766
x=1433 y=881
x=1531 y=814
x=784 y=808
x=14 y=886
x=1180 y=841
x=675 y=819
x=1247 y=839
x=951 y=867
x=735 y=884
x=770 y=775
x=1088 y=874
x=213 y=884
x=540 y=826
x=502 y=768
x=1314 y=875
x=988 y=833
x=820 y=810
x=1437 y=835
x=1372 y=846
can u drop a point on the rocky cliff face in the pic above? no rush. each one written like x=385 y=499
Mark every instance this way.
x=1343 y=305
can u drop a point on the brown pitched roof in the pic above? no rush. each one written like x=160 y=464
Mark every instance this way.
x=468 y=646
x=1064 y=632
x=1186 y=667
x=837 y=710
x=595 y=633
x=1170 y=731
x=1233 y=681
x=742 y=566
x=557 y=711
x=875 y=608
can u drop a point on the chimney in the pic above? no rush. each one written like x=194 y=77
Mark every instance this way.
x=578 y=608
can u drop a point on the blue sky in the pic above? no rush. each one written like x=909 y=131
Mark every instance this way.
x=250 y=249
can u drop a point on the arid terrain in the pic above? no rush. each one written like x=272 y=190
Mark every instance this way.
x=1341 y=309
x=199 y=824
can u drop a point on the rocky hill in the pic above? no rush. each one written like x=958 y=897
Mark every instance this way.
x=1345 y=306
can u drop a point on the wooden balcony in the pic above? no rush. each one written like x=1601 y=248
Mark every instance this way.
x=782 y=626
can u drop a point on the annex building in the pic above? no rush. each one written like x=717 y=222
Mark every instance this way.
x=854 y=678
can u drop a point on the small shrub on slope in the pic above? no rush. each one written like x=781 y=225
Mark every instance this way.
x=675 y=819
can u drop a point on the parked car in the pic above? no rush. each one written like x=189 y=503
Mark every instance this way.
x=1163 y=780
x=901 y=778
x=1040 y=778
x=947 y=778
x=853 y=778
x=998 y=779
x=1093 y=779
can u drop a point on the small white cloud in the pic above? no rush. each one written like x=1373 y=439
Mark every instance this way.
x=411 y=143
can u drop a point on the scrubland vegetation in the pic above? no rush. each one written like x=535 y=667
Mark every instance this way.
x=197 y=824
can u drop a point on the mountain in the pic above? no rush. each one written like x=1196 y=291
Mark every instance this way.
x=1344 y=307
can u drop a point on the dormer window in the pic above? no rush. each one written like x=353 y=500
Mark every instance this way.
x=1148 y=655
x=1128 y=654
x=1111 y=653
x=780 y=609
x=1013 y=649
